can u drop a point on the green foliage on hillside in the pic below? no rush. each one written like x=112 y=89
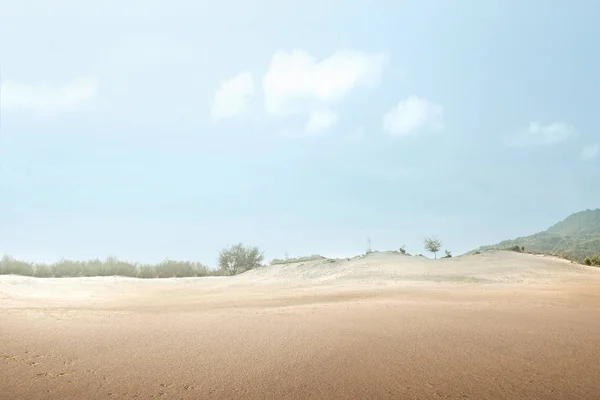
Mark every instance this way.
x=595 y=261
x=583 y=223
x=109 y=267
x=574 y=238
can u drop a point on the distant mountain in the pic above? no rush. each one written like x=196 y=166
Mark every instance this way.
x=575 y=238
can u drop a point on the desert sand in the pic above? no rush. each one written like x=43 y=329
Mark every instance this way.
x=497 y=325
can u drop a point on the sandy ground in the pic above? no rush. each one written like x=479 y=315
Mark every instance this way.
x=490 y=326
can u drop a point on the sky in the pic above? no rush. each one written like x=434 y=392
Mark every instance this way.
x=170 y=129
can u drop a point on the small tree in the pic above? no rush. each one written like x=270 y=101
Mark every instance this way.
x=239 y=258
x=448 y=254
x=369 y=249
x=403 y=249
x=432 y=245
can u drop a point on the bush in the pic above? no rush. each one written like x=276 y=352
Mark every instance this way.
x=587 y=261
x=239 y=258
x=290 y=260
x=110 y=267
x=518 y=249
x=147 y=271
x=448 y=254
x=596 y=260
x=43 y=271
x=10 y=266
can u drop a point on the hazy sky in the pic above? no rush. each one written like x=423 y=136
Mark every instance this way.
x=152 y=129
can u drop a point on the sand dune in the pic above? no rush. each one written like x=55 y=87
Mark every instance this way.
x=497 y=325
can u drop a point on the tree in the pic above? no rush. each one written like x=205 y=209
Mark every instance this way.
x=448 y=254
x=239 y=258
x=432 y=245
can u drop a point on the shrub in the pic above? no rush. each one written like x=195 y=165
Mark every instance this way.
x=587 y=261
x=518 y=249
x=290 y=260
x=239 y=258
x=147 y=271
x=43 y=271
x=64 y=268
x=448 y=254
x=10 y=266
x=110 y=267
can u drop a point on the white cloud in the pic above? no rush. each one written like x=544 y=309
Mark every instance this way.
x=539 y=135
x=48 y=100
x=233 y=97
x=411 y=116
x=298 y=83
x=320 y=121
x=590 y=152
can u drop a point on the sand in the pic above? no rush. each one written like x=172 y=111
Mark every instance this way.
x=493 y=326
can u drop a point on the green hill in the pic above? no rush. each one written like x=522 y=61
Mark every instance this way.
x=574 y=238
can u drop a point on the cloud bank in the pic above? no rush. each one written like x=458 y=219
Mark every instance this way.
x=298 y=83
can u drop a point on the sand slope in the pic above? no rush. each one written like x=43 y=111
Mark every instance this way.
x=494 y=325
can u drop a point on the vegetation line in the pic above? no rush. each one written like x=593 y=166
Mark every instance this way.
x=577 y=238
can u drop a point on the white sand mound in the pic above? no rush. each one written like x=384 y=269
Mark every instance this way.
x=377 y=269
x=492 y=267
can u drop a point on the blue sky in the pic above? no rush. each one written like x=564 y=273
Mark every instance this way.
x=153 y=129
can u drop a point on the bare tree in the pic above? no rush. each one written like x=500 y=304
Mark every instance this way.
x=432 y=245
x=239 y=258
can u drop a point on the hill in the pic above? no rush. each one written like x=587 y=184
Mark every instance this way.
x=390 y=267
x=575 y=238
